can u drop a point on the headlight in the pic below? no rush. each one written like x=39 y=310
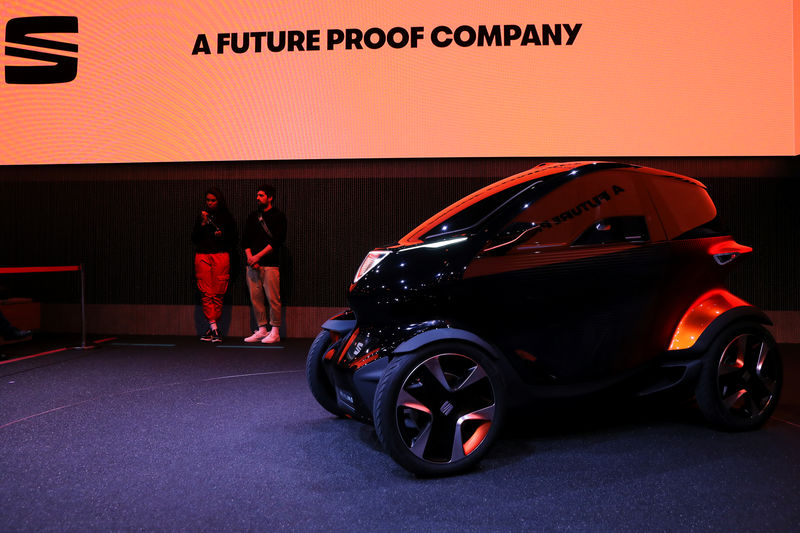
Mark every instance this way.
x=370 y=262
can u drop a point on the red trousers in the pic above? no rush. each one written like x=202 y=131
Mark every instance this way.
x=213 y=271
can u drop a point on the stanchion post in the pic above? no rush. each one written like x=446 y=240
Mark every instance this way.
x=83 y=311
x=69 y=268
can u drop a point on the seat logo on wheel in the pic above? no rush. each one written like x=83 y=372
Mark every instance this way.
x=446 y=408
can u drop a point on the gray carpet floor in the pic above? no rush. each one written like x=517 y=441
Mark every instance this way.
x=170 y=434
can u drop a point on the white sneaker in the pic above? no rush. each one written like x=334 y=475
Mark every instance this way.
x=257 y=336
x=274 y=336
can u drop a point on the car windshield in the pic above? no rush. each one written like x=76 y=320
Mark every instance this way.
x=473 y=209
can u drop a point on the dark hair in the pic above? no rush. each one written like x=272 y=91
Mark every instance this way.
x=221 y=204
x=269 y=190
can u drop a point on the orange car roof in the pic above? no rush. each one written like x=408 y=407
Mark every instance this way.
x=540 y=171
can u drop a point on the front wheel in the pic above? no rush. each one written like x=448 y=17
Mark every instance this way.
x=740 y=382
x=437 y=411
x=321 y=387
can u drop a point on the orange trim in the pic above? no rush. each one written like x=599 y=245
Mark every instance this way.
x=525 y=355
x=700 y=314
x=334 y=336
x=368 y=358
x=347 y=345
x=476 y=438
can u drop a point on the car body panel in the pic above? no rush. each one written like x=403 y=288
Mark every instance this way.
x=571 y=276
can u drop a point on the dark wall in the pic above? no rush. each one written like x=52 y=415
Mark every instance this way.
x=130 y=223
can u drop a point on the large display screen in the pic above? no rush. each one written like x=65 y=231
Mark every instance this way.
x=85 y=81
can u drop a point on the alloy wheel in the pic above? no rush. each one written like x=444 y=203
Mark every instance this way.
x=445 y=408
x=747 y=376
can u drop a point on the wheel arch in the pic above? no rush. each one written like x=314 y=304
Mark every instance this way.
x=741 y=314
x=708 y=316
x=342 y=323
x=441 y=335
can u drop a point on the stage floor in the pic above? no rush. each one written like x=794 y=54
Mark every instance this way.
x=171 y=434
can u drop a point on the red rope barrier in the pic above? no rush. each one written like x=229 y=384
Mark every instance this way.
x=29 y=270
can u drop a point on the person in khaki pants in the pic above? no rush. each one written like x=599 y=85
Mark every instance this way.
x=264 y=234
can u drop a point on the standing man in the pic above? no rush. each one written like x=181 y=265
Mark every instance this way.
x=214 y=236
x=264 y=234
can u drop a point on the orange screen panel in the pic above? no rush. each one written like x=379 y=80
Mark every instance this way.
x=198 y=81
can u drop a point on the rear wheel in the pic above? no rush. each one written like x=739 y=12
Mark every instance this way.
x=438 y=411
x=321 y=387
x=740 y=382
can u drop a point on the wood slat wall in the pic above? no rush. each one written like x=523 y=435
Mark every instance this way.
x=130 y=224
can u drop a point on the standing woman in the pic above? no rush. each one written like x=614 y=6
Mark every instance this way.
x=214 y=236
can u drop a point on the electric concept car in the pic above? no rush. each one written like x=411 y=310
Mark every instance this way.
x=560 y=281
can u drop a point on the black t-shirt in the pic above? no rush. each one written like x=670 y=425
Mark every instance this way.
x=205 y=239
x=256 y=238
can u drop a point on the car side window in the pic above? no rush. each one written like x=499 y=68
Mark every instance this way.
x=609 y=207
x=631 y=229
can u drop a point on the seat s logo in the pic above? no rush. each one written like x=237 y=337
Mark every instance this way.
x=62 y=68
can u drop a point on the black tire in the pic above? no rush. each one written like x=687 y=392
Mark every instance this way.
x=437 y=411
x=741 y=379
x=318 y=381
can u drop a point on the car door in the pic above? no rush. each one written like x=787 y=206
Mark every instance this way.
x=568 y=286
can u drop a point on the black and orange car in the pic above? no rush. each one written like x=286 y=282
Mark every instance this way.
x=561 y=281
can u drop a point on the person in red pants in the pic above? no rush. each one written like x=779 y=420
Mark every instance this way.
x=214 y=235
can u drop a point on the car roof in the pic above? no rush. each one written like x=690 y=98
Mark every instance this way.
x=573 y=169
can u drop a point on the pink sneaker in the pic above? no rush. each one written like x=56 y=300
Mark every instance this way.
x=274 y=336
x=257 y=336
